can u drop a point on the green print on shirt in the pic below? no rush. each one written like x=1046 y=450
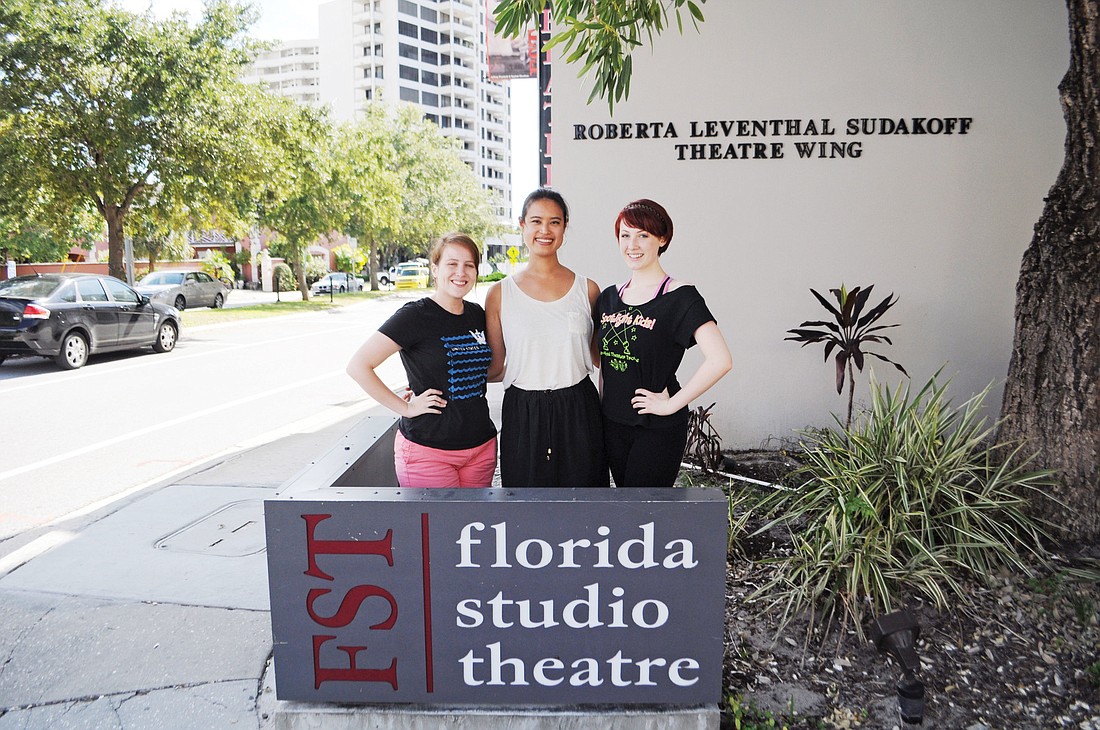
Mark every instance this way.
x=619 y=330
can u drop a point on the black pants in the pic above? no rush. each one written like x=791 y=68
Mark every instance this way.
x=644 y=457
x=552 y=438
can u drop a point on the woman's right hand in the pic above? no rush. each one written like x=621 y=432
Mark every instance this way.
x=429 y=401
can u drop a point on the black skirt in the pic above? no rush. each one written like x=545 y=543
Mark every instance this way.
x=552 y=438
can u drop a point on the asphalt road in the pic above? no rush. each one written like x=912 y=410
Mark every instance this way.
x=72 y=442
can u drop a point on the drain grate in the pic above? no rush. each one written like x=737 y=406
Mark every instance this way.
x=233 y=531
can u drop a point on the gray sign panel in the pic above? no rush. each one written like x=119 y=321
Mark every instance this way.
x=498 y=597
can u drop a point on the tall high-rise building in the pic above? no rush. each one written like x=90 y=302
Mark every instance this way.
x=431 y=53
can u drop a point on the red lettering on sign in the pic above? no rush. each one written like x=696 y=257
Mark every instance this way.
x=315 y=547
x=426 y=573
x=349 y=606
x=353 y=673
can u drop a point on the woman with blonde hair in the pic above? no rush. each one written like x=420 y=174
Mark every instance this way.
x=445 y=438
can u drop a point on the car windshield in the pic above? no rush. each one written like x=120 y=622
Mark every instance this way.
x=29 y=288
x=408 y=270
x=159 y=278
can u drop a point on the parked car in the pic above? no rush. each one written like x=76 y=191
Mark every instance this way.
x=183 y=289
x=387 y=276
x=412 y=275
x=338 y=281
x=70 y=316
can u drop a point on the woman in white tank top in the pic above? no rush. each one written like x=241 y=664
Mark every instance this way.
x=539 y=325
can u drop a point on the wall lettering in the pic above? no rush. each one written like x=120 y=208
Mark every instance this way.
x=772 y=139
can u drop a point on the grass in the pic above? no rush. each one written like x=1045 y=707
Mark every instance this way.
x=318 y=303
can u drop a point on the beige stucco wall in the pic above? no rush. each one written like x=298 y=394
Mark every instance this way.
x=940 y=220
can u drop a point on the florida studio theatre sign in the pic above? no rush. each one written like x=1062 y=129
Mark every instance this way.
x=498 y=597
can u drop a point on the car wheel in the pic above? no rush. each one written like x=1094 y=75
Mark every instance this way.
x=219 y=301
x=383 y=281
x=180 y=302
x=341 y=290
x=74 y=351
x=166 y=337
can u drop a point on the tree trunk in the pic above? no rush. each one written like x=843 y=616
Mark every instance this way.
x=375 y=263
x=303 y=287
x=154 y=253
x=1052 y=394
x=116 y=243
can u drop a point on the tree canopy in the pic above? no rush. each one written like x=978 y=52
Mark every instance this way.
x=405 y=184
x=102 y=108
x=300 y=198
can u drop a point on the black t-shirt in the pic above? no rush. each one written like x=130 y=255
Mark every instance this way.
x=642 y=346
x=447 y=352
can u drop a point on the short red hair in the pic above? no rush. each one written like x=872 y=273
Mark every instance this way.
x=648 y=216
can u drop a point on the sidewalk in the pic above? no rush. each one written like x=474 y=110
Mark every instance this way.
x=153 y=611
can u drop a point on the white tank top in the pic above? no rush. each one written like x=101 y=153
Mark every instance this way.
x=547 y=344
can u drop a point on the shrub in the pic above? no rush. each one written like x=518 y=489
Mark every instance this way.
x=349 y=259
x=315 y=270
x=218 y=265
x=284 y=278
x=915 y=498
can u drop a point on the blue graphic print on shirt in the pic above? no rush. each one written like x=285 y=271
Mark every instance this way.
x=468 y=359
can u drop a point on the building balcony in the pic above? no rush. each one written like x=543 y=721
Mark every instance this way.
x=458 y=8
x=359 y=15
x=459 y=133
x=459 y=26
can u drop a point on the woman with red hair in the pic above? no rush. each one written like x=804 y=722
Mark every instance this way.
x=645 y=326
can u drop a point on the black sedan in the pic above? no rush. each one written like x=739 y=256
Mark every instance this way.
x=71 y=316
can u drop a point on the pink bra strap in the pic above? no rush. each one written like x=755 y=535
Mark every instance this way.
x=662 y=289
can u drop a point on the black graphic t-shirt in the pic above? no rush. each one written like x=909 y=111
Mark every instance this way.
x=642 y=346
x=447 y=352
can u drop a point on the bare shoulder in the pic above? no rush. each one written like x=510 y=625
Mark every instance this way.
x=492 y=297
x=593 y=291
x=677 y=283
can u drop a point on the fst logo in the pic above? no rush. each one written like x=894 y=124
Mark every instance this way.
x=349 y=605
x=492 y=597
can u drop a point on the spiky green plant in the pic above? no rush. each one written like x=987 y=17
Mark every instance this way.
x=915 y=498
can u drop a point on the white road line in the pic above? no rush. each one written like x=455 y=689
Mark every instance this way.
x=163 y=425
x=169 y=359
x=391 y=372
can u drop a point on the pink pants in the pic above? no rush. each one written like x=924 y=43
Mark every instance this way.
x=422 y=466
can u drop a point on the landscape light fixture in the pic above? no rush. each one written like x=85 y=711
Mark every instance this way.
x=896 y=634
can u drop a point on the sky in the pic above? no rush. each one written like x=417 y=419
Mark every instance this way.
x=295 y=19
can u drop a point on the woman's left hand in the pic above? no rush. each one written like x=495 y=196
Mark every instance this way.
x=656 y=404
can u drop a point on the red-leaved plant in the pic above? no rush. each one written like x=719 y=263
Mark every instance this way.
x=848 y=334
